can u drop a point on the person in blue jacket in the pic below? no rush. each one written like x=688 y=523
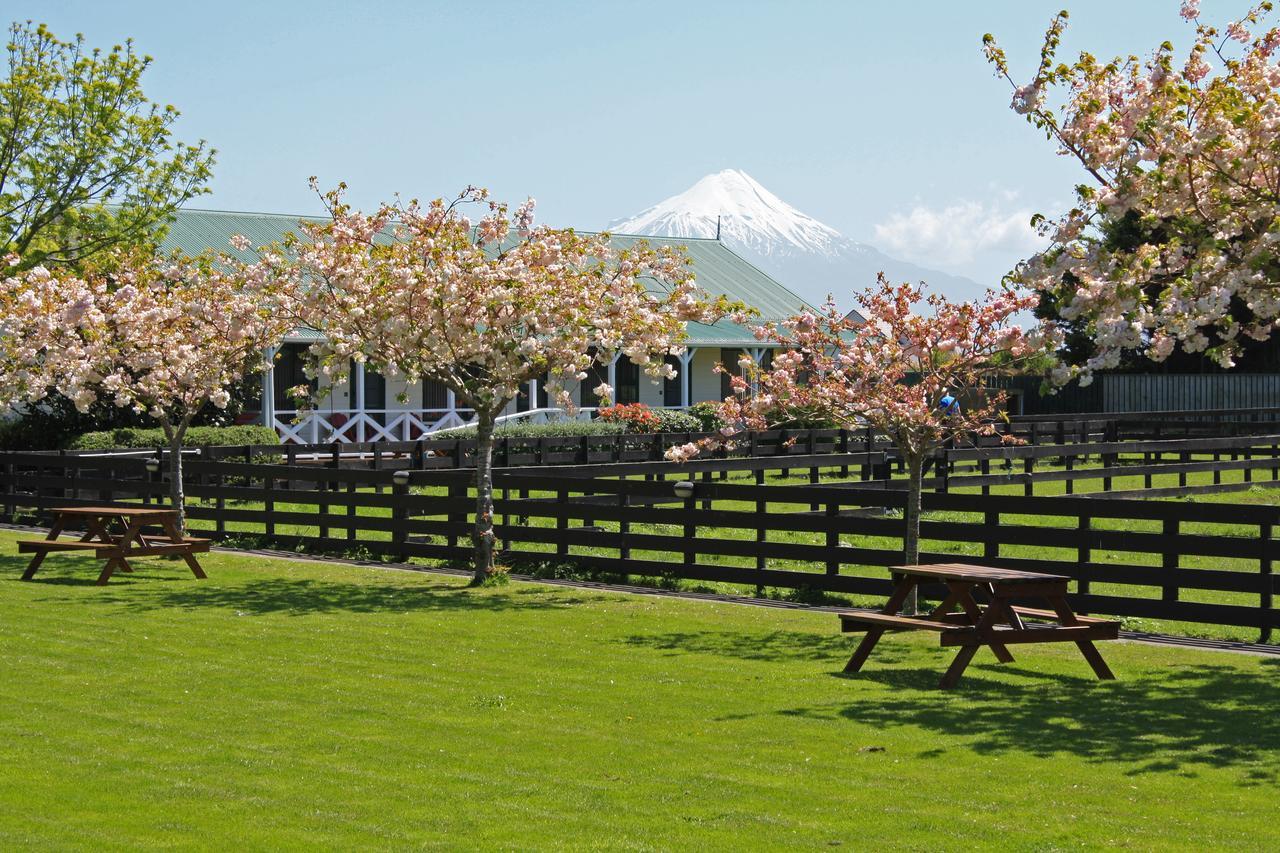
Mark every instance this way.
x=950 y=405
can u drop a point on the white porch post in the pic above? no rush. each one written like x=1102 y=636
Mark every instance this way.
x=757 y=355
x=357 y=398
x=686 y=377
x=533 y=394
x=269 y=389
x=451 y=402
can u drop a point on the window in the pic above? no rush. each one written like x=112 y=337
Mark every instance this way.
x=626 y=375
x=375 y=393
x=596 y=374
x=729 y=359
x=671 y=388
x=434 y=395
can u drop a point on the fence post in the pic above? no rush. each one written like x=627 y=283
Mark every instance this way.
x=984 y=467
x=762 y=536
x=624 y=527
x=351 y=511
x=1248 y=469
x=990 y=545
x=690 y=529
x=844 y=450
x=833 y=538
x=11 y=491
x=1029 y=468
x=219 y=503
x=400 y=519
x=785 y=450
x=269 y=506
x=1084 y=554
x=1264 y=569
x=1069 y=482
x=562 y=522
x=69 y=475
x=1169 y=559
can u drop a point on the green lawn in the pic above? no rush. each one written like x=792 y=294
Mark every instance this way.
x=280 y=705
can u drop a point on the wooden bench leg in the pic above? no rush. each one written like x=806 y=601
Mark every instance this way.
x=109 y=569
x=958 y=666
x=873 y=635
x=960 y=592
x=33 y=565
x=194 y=565
x=863 y=651
x=1066 y=616
x=1094 y=657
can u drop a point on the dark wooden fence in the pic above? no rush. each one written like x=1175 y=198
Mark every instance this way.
x=1209 y=563
x=1256 y=457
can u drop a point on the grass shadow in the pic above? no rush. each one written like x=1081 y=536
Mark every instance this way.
x=155 y=586
x=1159 y=720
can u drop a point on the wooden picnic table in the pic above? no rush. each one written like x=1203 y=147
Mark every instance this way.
x=961 y=621
x=117 y=548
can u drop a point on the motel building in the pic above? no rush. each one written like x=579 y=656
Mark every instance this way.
x=368 y=407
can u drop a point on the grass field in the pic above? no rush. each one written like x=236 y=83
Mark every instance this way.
x=288 y=704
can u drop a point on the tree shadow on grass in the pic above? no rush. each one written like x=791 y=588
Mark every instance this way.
x=157 y=585
x=758 y=646
x=1168 y=719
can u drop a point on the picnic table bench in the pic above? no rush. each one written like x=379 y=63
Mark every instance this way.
x=116 y=548
x=961 y=621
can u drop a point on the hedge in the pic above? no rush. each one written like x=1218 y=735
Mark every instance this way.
x=195 y=437
x=552 y=429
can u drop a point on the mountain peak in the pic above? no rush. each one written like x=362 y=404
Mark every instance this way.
x=811 y=258
x=748 y=215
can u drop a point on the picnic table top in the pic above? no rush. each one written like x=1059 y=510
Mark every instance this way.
x=976 y=574
x=130 y=511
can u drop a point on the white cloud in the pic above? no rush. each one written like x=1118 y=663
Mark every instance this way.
x=956 y=234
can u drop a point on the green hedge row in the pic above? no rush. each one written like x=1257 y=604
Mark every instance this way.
x=553 y=429
x=129 y=437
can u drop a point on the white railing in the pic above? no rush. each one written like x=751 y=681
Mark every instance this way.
x=354 y=425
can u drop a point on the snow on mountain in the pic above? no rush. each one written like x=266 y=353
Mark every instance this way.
x=809 y=257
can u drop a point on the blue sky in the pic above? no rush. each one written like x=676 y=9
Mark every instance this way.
x=881 y=119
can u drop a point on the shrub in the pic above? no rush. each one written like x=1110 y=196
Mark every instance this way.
x=130 y=437
x=707 y=415
x=552 y=429
x=674 y=420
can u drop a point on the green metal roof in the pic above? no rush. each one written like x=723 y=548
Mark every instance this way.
x=718 y=269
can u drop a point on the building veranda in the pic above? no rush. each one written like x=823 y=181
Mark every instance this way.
x=369 y=407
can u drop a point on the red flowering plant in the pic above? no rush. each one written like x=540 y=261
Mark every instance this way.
x=636 y=417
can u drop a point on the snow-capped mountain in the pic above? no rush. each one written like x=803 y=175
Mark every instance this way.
x=802 y=253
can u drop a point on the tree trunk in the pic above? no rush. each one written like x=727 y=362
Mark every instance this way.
x=482 y=537
x=911 y=518
x=177 y=496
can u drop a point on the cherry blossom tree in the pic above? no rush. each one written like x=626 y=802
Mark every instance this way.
x=1174 y=240
x=161 y=335
x=888 y=373
x=422 y=292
